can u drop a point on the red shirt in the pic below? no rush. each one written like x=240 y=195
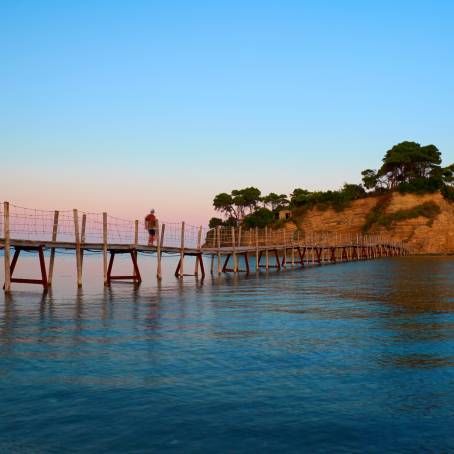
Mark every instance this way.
x=151 y=221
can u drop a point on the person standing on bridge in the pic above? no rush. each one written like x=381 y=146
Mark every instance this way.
x=151 y=223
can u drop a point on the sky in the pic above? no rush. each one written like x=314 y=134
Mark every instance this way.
x=124 y=106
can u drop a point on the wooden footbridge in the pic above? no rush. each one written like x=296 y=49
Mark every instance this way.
x=230 y=249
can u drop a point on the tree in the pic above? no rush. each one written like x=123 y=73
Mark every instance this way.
x=275 y=201
x=352 y=191
x=299 y=197
x=447 y=174
x=370 y=178
x=215 y=222
x=409 y=167
x=237 y=202
x=223 y=202
x=408 y=161
x=247 y=198
x=260 y=218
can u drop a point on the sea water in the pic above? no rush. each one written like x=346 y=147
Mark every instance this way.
x=354 y=357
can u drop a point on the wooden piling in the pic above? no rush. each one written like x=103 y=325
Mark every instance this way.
x=181 y=271
x=77 y=241
x=293 y=251
x=267 y=255
x=82 y=241
x=235 y=259
x=218 y=239
x=104 y=247
x=52 y=250
x=136 y=232
x=7 y=252
x=199 y=245
x=257 y=266
x=159 y=245
x=284 y=258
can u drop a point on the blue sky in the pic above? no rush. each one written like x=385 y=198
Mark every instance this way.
x=126 y=105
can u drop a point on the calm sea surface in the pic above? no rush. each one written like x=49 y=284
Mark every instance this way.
x=350 y=358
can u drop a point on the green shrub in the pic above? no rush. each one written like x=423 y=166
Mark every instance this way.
x=377 y=213
x=420 y=185
x=448 y=192
x=378 y=216
x=260 y=218
x=214 y=222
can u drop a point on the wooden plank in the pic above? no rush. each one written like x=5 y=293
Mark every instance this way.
x=7 y=243
x=52 y=250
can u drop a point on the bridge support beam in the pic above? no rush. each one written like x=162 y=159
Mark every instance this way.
x=300 y=255
x=276 y=255
x=135 y=277
x=225 y=268
x=318 y=252
x=199 y=262
x=42 y=264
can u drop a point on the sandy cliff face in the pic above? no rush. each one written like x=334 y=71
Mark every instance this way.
x=421 y=235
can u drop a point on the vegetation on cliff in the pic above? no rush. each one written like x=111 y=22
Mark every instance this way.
x=407 y=167
x=379 y=217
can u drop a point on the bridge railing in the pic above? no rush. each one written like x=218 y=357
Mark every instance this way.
x=239 y=237
x=66 y=225
x=69 y=225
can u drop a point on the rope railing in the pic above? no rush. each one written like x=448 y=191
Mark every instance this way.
x=41 y=225
x=239 y=237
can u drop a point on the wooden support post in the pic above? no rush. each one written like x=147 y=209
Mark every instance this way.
x=199 y=245
x=284 y=260
x=136 y=233
x=181 y=264
x=82 y=240
x=160 y=244
x=293 y=252
x=135 y=277
x=104 y=247
x=52 y=250
x=267 y=255
x=235 y=259
x=7 y=252
x=77 y=241
x=226 y=262
x=218 y=239
x=257 y=266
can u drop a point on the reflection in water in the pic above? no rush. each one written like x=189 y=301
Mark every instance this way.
x=329 y=357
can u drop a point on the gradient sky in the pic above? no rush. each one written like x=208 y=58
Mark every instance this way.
x=123 y=106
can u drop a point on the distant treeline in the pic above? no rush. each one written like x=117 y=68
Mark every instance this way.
x=407 y=167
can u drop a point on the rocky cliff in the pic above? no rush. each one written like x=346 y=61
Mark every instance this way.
x=425 y=223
